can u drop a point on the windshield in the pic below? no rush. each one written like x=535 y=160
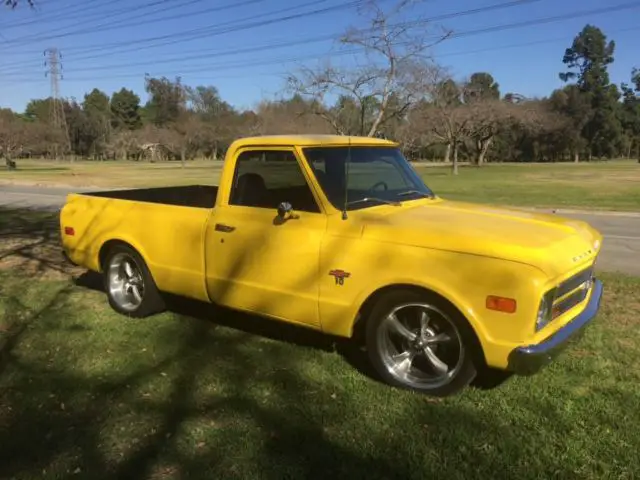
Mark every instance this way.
x=376 y=175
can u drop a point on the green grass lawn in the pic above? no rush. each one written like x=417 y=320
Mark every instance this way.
x=205 y=393
x=598 y=185
x=601 y=186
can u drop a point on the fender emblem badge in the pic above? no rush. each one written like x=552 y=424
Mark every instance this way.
x=339 y=275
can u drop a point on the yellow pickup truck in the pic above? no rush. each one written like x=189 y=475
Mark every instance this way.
x=341 y=235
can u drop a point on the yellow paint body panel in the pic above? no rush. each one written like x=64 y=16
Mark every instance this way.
x=169 y=238
x=463 y=252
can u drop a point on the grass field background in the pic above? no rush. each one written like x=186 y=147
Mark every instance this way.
x=613 y=185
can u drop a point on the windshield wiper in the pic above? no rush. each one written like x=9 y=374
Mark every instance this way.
x=374 y=199
x=415 y=192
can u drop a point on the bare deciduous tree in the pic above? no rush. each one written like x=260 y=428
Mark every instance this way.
x=289 y=116
x=443 y=116
x=12 y=137
x=392 y=50
x=15 y=3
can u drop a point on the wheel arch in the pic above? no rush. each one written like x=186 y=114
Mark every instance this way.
x=152 y=301
x=109 y=244
x=366 y=307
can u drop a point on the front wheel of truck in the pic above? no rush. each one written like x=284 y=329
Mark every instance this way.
x=129 y=285
x=417 y=341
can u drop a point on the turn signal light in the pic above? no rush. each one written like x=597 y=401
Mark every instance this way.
x=69 y=231
x=501 y=304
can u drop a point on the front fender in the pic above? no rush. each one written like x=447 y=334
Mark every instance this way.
x=462 y=279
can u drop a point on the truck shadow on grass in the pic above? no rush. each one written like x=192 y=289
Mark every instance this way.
x=252 y=325
x=351 y=350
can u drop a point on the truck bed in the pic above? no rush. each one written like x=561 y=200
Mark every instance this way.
x=198 y=196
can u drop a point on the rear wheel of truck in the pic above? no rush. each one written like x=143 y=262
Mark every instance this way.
x=419 y=342
x=130 y=287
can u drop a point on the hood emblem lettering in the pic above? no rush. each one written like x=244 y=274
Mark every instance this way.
x=582 y=255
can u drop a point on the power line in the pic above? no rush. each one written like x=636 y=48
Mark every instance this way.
x=540 y=21
x=61 y=13
x=523 y=44
x=203 y=32
x=203 y=55
x=421 y=22
x=289 y=43
x=246 y=64
x=245 y=26
x=116 y=25
x=459 y=34
x=166 y=74
x=226 y=66
x=101 y=16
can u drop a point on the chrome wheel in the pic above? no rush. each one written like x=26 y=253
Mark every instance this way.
x=125 y=282
x=420 y=346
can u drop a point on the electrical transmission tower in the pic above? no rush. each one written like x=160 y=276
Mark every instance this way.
x=58 y=120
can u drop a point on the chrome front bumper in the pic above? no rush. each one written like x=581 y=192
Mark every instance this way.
x=529 y=359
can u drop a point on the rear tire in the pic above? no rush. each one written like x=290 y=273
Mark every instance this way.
x=130 y=288
x=418 y=342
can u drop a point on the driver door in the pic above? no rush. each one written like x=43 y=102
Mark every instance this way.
x=256 y=260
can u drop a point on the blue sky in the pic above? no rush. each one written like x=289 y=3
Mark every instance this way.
x=106 y=43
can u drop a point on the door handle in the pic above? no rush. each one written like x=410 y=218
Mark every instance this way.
x=220 y=227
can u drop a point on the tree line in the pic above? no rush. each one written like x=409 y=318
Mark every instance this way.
x=401 y=94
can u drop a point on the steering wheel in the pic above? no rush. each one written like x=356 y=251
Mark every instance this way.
x=384 y=184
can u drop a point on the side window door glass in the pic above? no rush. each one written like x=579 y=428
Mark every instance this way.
x=267 y=178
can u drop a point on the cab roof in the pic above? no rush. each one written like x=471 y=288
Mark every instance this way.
x=310 y=139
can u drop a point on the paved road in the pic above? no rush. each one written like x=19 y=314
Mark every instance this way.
x=621 y=249
x=621 y=244
x=35 y=197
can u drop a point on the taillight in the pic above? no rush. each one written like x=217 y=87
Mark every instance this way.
x=69 y=231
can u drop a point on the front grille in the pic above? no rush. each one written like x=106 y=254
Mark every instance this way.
x=574 y=282
x=568 y=287
x=569 y=302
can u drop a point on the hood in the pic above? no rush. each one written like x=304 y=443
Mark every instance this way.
x=552 y=243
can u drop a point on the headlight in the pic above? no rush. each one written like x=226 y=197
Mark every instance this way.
x=544 y=313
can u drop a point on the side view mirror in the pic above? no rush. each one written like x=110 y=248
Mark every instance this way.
x=285 y=211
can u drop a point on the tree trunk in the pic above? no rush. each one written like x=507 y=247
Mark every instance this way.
x=182 y=157
x=482 y=146
x=454 y=166
x=447 y=153
x=576 y=157
x=11 y=165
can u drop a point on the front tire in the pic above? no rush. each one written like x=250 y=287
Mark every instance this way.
x=418 y=342
x=129 y=285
